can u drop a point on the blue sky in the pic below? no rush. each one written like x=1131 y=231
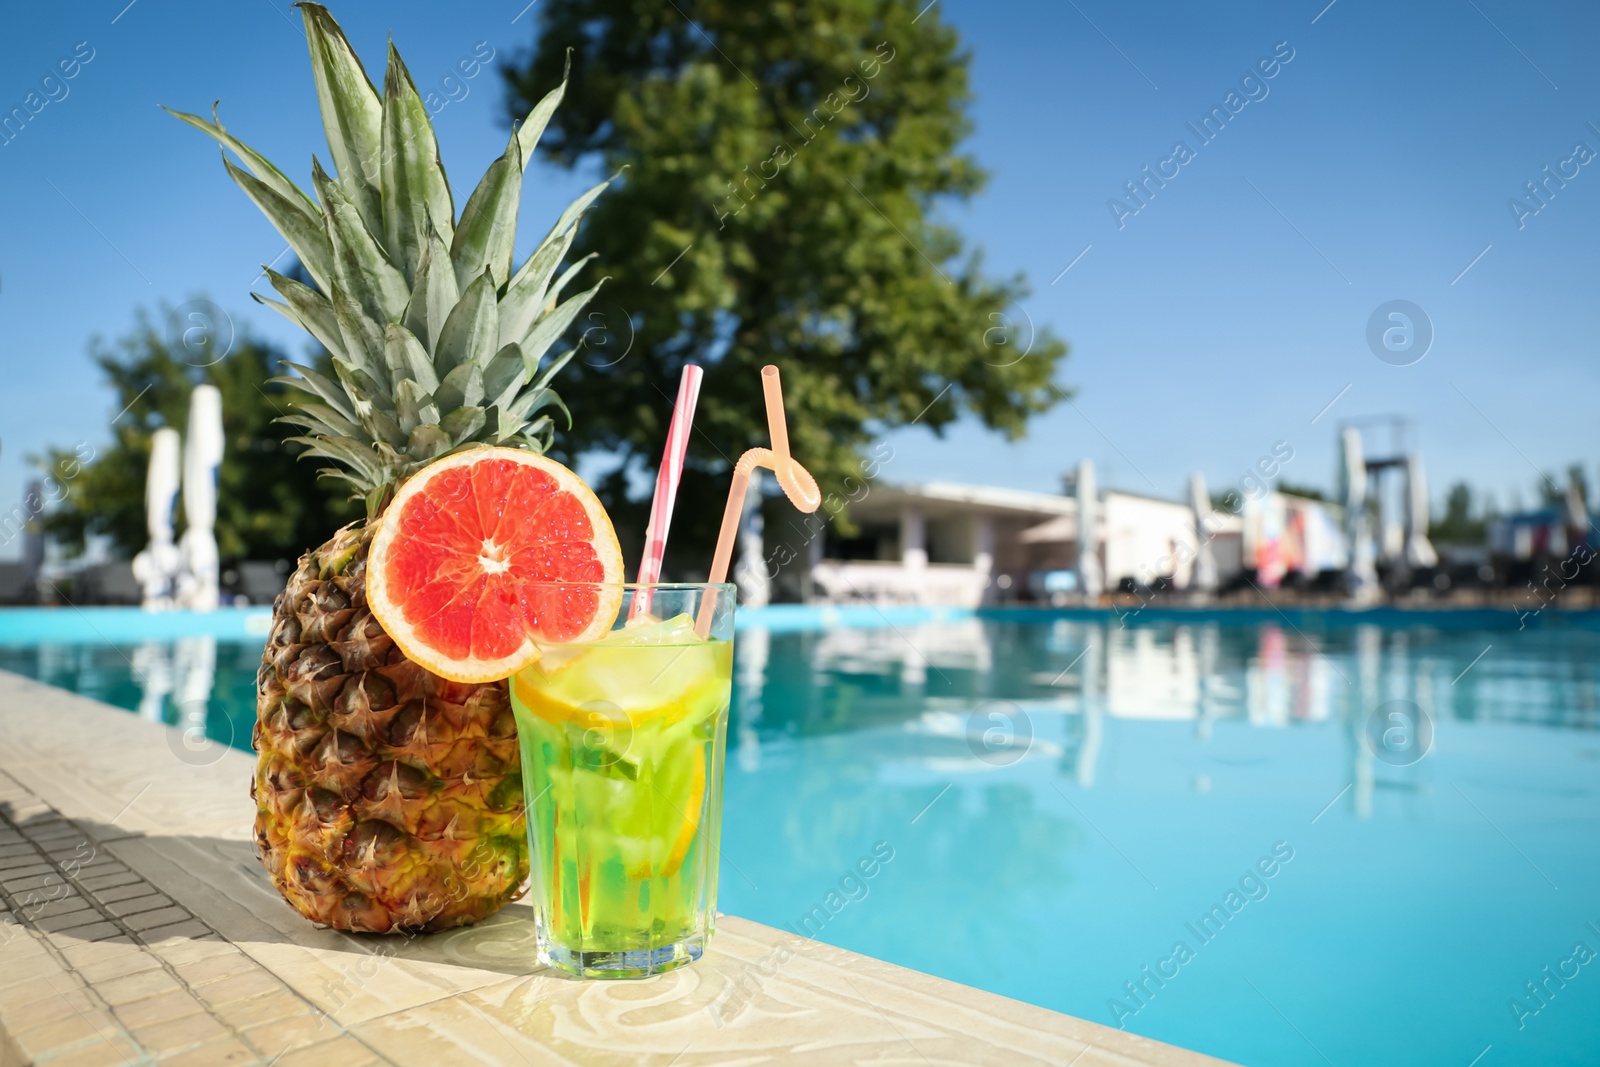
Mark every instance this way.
x=1219 y=319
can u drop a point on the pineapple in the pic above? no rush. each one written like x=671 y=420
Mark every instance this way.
x=387 y=798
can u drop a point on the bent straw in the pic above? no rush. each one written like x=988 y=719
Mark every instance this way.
x=795 y=480
x=667 y=479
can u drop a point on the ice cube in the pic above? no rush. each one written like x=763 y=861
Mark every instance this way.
x=678 y=630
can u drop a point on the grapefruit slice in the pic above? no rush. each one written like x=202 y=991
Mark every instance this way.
x=468 y=563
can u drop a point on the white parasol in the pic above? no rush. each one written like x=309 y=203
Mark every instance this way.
x=1352 y=471
x=1362 y=579
x=1577 y=508
x=1419 y=550
x=1203 y=579
x=1090 y=580
x=156 y=568
x=755 y=587
x=198 y=586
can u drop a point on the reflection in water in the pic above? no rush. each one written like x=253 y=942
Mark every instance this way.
x=194 y=662
x=1071 y=677
x=198 y=684
x=1039 y=780
x=1018 y=847
x=962 y=646
x=152 y=668
x=1084 y=729
x=1163 y=756
x=1368 y=647
x=750 y=677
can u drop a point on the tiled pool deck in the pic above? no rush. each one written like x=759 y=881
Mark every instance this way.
x=136 y=926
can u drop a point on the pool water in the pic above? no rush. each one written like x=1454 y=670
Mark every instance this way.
x=1278 y=843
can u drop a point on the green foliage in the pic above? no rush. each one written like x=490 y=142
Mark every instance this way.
x=1459 y=526
x=784 y=163
x=1551 y=492
x=1304 y=491
x=269 y=506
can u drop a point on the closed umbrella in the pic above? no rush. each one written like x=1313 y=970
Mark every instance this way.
x=33 y=537
x=1203 y=579
x=1577 y=511
x=1419 y=550
x=755 y=587
x=156 y=568
x=1362 y=577
x=1090 y=579
x=201 y=460
x=1352 y=471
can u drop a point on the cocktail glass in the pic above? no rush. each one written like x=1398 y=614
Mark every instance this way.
x=622 y=742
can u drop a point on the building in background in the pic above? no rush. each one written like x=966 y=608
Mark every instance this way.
x=1142 y=541
x=1285 y=535
x=1553 y=532
x=934 y=543
x=944 y=543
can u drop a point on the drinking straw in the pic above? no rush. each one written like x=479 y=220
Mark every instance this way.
x=667 y=479
x=795 y=481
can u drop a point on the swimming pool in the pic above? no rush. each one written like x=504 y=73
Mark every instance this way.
x=1278 y=841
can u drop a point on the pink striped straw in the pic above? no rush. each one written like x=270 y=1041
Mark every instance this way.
x=667 y=479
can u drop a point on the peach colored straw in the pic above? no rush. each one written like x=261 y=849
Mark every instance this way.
x=795 y=481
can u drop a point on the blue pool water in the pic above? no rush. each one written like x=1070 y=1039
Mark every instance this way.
x=1406 y=817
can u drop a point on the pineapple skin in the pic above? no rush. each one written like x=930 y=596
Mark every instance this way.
x=388 y=799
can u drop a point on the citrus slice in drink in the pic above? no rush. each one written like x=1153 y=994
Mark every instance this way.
x=691 y=819
x=657 y=825
x=470 y=561
x=622 y=685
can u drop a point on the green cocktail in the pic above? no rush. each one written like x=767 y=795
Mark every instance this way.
x=622 y=744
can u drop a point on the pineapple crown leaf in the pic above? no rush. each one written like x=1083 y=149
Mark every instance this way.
x=411 y=170
x=258 y=164
x=543 y=381
x=436 y=337
x=462 y=388
x=531 y=129
x=471 y=332
x=525 y=296
x=407 y=359
x=503 y=375
x=305 y=232
x=352 y=114
x=311 y=310
x=552 y=326
x=434 y=291
x=489 y=221
x=574 y=211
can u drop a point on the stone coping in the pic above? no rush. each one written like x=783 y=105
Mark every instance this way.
x=137 y=927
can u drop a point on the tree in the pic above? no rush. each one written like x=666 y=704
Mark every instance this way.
x=785 y=163
x=1227 y=501
x=1577 y=477
x=1552 y=494
x=1305 y=492
x=269 y=504
x=1458 y=526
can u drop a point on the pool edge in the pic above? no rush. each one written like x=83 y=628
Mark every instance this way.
x=179 y=819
